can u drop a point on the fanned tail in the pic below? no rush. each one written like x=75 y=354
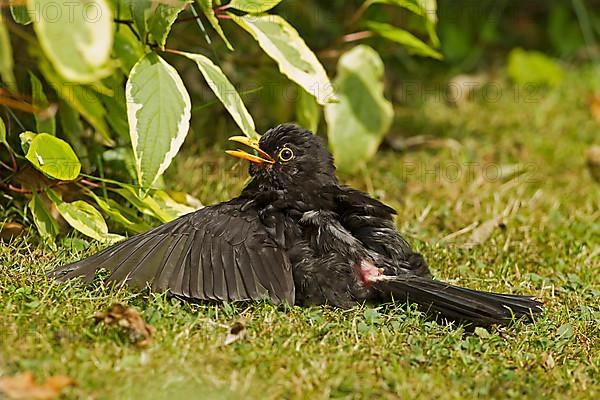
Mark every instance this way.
x=458 y=303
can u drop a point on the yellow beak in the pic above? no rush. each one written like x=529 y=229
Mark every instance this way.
x=262 y=158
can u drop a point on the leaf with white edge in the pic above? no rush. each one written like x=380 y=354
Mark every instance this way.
x=76 y=37
x=6 y=58
x=308 y=112
x=44 y=121
x=54 y=157
x=253 y=6
x=284 y=45
x=83 y=217
x=357 y=124
x=2 y=132
x=46 y=225
x=158 y=111
x=162 y=18
x=410 y=41
x=207 y=9
x=225 y=92
x=20 y=14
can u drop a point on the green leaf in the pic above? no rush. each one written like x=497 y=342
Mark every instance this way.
x=412 y=43
x=424 y=8
x=74 y=244
x=565 y=331
x=117 y=213
x=26 y=138
x=253 y=6
x=137 y=11
x=284 y=45
x=46 y=225
x=20 y=14
x=128 y=49
x=70 y=120
x=158 y=111
x=308 y=112
x=43 y=123
x=83 y=217
x=410 y=5
x=76 y=37
x=54 y=157
x=146 y=205
x=162 y=18
x=116 y=108
x=207 y=9
x=430 y=9
x=356 y=125
x=533 y=68
x=3 y=132
x=169 y=205
x=482 y=332
x=82 y=98
x=6 y=58
x=225 y=92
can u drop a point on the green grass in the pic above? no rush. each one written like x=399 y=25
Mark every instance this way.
x=547 y=246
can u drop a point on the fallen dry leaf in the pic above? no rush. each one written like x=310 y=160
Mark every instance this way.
x=130 y=320
x=593 y=161
x=594 y=105
x=483 y=232
x=23 y=386
x=237 y=332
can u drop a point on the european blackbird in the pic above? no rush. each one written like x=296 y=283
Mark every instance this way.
x=294 y=235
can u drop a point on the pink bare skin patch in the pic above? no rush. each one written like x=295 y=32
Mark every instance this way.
x=368 y=272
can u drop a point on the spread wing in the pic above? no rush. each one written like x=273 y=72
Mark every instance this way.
x=216 y=253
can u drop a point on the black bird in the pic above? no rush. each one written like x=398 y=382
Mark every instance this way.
x=294 y=235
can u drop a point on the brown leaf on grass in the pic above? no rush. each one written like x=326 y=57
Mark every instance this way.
x=594 y=104
x=237 y=332
x=593 y=161
x=128 y=319
x=23 y=386
x=485 y=230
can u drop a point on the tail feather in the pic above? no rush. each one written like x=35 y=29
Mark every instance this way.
x=457 y=303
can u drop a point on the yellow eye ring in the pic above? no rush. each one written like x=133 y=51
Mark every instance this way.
x=286 y=154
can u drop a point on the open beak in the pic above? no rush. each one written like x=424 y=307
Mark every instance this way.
x=262 y=158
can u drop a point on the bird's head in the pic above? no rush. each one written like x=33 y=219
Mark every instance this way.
x=287 y=156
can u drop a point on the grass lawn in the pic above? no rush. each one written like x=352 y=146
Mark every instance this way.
x=508 y=174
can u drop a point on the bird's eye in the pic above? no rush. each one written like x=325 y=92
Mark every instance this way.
x=286 y=154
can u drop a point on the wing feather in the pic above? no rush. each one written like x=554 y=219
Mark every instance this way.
x=216 y=253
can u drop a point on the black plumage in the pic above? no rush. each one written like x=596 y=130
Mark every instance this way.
x=294 y=235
